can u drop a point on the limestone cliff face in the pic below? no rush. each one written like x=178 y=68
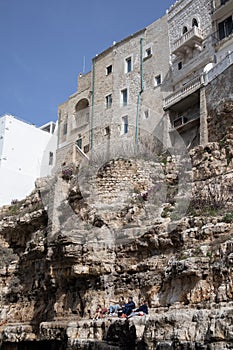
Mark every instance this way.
x=70 y=246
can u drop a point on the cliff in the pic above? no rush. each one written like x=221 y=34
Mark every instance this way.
x=93 y=234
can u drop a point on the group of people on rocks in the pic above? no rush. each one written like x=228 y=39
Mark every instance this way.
x=122 y=309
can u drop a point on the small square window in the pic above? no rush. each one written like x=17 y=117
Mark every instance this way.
x=107 y=130
x=86 y=148
x=158 y=80
x=148 y=52
x=146 y=114
x=109 y=70
x=50 y=158
x=128 y=64
x=108 y=101
x=179 y=65
x=124 y=97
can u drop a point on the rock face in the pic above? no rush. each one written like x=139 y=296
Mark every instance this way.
x=69 y=247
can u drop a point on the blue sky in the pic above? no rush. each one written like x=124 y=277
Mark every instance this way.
x=44 y=42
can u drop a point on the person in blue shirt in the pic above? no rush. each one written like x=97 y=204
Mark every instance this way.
x=128 y=307
x=141 y=310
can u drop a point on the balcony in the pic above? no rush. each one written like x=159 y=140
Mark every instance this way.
x=191 y=39
x=185 y=91
x=222 y=9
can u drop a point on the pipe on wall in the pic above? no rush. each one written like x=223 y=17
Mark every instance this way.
x=139 y=94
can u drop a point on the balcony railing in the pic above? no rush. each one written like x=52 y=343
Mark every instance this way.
x=219 y=68
x=190 y=39
x=185 y=91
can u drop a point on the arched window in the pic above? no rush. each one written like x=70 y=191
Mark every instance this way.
x=82 y=104
x=82 y=112
x=185 y=29
x=194 y=22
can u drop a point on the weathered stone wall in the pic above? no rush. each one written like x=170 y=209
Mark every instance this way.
x=219 y=104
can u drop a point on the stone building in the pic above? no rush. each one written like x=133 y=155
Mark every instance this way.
x=150 y=84
x=121 y=95
x=201 y=41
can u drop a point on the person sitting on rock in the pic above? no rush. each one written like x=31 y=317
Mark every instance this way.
x=141 y=310
x=128 y=308
x=113 y=309
x=100 y=312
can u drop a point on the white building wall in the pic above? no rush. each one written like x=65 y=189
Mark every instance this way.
x=24 y=157
x=46 y=168
x=2 y=132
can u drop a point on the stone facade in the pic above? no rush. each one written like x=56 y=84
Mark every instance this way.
x=137 y=66
x=150 y=83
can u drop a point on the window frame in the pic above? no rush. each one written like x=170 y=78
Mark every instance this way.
x=108 y=101
x=157 y=80
x=148 y=52
x=124 y=97
x=129 y=63
x=107 y=69
x=125 y=125
x=225 y=29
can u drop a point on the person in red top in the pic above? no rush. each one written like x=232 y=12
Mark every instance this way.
x=100 y=312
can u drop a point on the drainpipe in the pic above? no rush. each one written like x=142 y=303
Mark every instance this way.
x=139 y=94
x=92 y=103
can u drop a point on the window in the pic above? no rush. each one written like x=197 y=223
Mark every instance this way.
x=148 y=52
x=107 y=130
x=50 y=158
x=185 y=29
x=79 y=143
x=124 y=97
x=128 y=65
x=125 y=125
x=73 y=122
x=65 y=128
x=225 y=28
x=194 y=22
x=179 y=65
x=108 y=101
x=179 y=121
x=146 y=114
x=158 y=80
x=109 y=70
x=223 y=2
x=86 y=148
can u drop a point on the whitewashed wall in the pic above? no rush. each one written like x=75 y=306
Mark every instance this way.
x=24 y=157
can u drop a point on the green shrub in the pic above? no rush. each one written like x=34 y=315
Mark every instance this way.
x=228 y=218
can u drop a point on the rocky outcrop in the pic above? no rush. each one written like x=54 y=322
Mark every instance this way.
x=70 y=247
